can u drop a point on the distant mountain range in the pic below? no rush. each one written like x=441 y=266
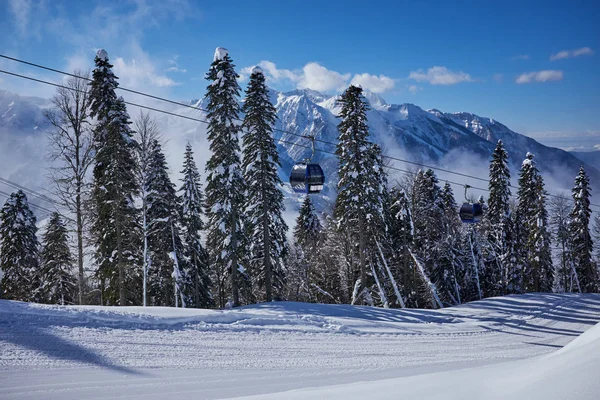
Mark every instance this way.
x=457 y=141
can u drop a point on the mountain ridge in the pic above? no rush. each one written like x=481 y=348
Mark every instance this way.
x=459 y=141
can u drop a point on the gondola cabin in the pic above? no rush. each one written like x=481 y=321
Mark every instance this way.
x=471 y=213
x=307 y=178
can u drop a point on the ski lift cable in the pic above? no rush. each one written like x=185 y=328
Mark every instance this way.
x=36 y=206
x=30 y=192
x=238 y=119
x=279 y=140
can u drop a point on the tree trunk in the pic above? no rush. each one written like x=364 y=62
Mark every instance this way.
x=361 y=251
x=267 y=249
x=234 y=261
x=196 y=281
x=79 y=218
x=120 y=265
x=145 y=255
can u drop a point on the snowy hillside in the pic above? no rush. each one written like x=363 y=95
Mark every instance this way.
x=496 y=348
x=22 y=139
x=461 y=141
x=589 y=157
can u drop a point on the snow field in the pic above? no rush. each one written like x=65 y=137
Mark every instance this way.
x=495 y=347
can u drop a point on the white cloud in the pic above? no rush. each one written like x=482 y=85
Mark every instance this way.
x=272 y=73
x=584 y=51
x=176 y=69
x=139 y=71
x=21 y=10
x=540 y=76
x=136 y=74
x=414 y=89
x=440 y=76
x=317 y=77
x=521 y=57
x=79 y=62
x=174 y=65
x=373 y=83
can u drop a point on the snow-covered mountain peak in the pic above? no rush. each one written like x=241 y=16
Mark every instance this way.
x=376 y=101
x=22 y=112
x=404 y=130
x=313 y=95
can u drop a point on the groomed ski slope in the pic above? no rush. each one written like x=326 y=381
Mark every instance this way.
x=505 y=347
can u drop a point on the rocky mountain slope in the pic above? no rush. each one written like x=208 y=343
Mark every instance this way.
x=458 y=141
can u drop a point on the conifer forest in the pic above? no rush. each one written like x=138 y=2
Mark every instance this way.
x=129 y=235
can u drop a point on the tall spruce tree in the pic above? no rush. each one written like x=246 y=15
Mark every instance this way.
x=166 y=278
x=114 y=188
x=400 y=236
x=59 y=285
x=449 y=272
x=360 y=201
x=19 y=250
x=427 y=211
x=192 y=202
x=224 y=182
x=535 y=254
x=308 y=238
x=264 y=201
x=497 y=219
x=566 y=276
x=332 y=276
x=308 y=229
x=581 y=239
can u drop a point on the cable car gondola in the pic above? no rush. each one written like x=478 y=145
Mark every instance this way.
x=307 y=177
x=471 y=213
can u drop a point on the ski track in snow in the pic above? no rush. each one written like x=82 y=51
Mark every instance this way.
x=102 y=352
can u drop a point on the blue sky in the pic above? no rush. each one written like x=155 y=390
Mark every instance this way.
x=532 y=65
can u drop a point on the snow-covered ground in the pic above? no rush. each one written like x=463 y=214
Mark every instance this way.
x=506 y=347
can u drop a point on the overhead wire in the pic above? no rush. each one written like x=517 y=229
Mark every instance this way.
x=34 y=205
x=206 y=122
x=237 y=119
x=30 y=192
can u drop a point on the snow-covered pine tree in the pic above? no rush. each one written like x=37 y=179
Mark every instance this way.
x=400 y=236
x=192 y=202
x=497 y=225
x=308 y=235
x=166 y=279
x=427 y=211
x=359 y=203
x=115 y=223
x=224 y=182
x=146 y=131
x=535 y=254
x=380 y=242
x=581 y=239
x=59 y=285
x=332 y=274
x=19 y=250
x=565 y=279
x=596 y=231
x=264 y=201
x=308 y=229
x=449 y=274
